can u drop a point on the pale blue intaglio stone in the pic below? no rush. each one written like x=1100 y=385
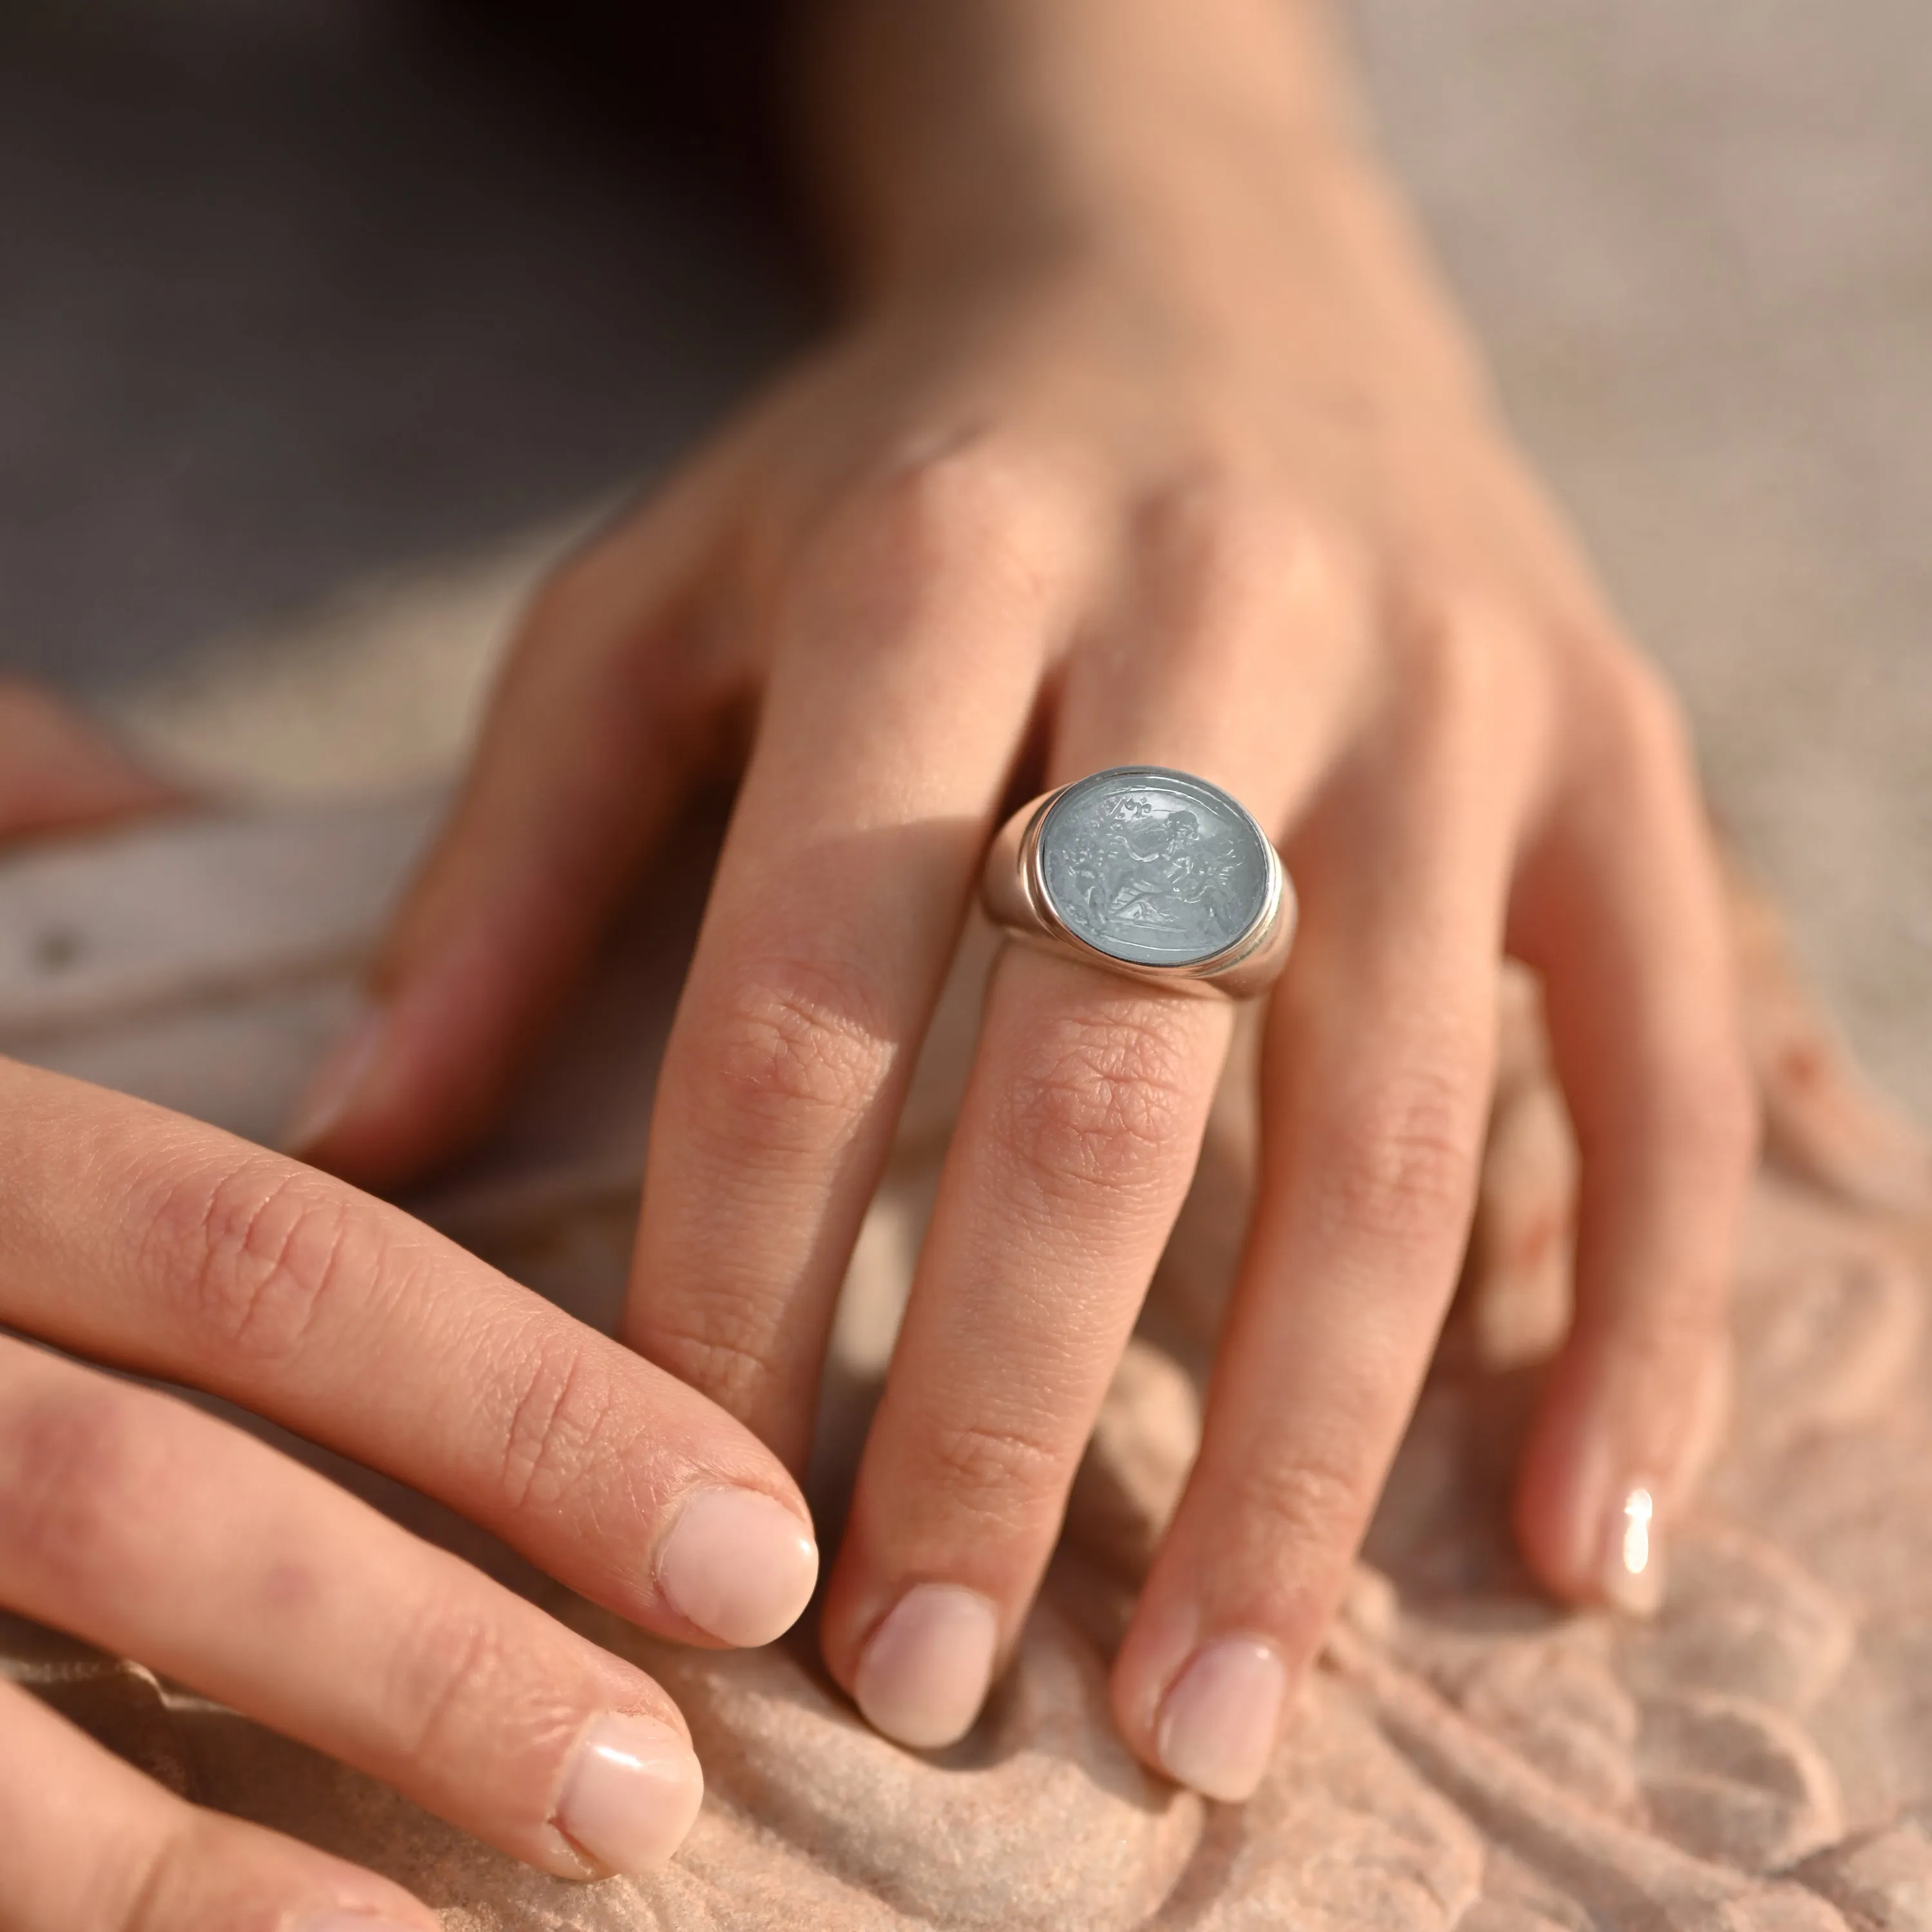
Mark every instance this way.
x=1153 y=867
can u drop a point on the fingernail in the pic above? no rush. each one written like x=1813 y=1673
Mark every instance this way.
x=926 y=1672
x=1218 y=1725
x=738 y=1564
x=1632 y=1564
x=335 y=1082
x=631 y=1794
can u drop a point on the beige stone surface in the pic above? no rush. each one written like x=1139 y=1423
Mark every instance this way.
x=1757 y=1760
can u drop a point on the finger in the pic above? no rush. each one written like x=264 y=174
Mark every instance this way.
x=899 y=696
x=1825 y=1119
x=87 y=1842
x=1620 y=908
x=1078 y=1135
x=1073 y=1153
x=58 y=772
x=1375 y=1081
x=135 y=1237
x=1512 y=1303
x=605 y=710
x=155 y=1532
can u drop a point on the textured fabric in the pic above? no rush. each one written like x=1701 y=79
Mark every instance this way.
x=1466 y=1756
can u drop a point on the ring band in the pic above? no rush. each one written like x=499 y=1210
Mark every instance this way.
x=1147 y=872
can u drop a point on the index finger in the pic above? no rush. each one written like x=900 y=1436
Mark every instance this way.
x=207 y=1261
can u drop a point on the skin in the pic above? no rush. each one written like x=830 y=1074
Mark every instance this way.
x=59 y=773
x=1148 y=436
x=140 y=1241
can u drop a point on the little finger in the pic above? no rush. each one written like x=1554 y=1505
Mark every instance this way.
x=1375 y=1081
x=1622 y=908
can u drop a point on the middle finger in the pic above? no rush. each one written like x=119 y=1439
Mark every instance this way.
x=911 y=651
x=1076 y=1144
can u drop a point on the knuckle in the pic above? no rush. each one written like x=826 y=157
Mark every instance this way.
x=953 y=497
x=1456 y=646
x=1103 y=1102
x=1243 y=555
x=78 y=1476
x=1291 y=1526
x=1314 y=1502
x=798 y=1054
x=965 y=510
x=1654 y=1351
x=156 y=1892
x=205 y=1868
x=995 y=1474
x=726 y=1345
x=557 y=1425
x=1642 y=739
x=1667 y=1351
x=250 y=1259
x=451 y=1665
x=1403 y=1159
x=1223 y=524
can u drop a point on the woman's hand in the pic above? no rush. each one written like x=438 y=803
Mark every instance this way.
x=132 y=1238
x=59 y=772
x=1149 y=441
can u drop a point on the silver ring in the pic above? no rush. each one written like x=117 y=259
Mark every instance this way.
x=1151 y=873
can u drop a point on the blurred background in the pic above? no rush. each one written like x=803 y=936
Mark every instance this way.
x=323 y=323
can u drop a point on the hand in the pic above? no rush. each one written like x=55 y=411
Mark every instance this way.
x=1178 y=458
x=59 y=773
x=128 y=1518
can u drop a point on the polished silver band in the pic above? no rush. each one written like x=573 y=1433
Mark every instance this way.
x=1151 y=873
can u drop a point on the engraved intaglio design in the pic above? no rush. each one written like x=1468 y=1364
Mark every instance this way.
x=1153 y=867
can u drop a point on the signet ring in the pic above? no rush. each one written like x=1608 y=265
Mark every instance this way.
x=1148 y=872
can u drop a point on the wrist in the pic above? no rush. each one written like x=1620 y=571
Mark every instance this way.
x=985 y=135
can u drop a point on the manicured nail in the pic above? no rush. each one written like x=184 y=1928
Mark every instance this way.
x=335 y=1082
x=926 y=1672
x=1632 y=1568
x=631 y=1794
x=1218 y=1725
x=738 y=1564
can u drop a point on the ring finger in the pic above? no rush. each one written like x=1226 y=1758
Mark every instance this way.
x=898 y=697
x=1376 y=1079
